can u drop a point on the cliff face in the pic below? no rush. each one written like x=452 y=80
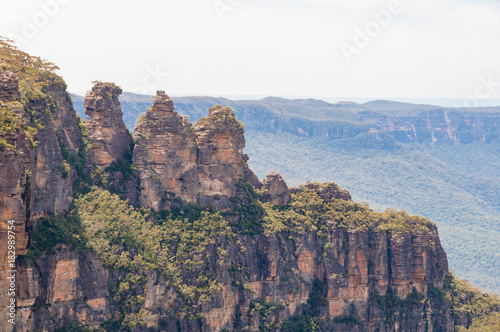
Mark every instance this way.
x=35 y=179
x=107 y=131
x=52 y=180
x=437 y=126
x=359 y=279
x=61 y=289
x=17 y=164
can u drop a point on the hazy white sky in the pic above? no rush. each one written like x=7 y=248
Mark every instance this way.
x=423 y=48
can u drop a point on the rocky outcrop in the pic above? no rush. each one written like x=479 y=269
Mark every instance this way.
x=276 y=188
x=177 y=161
x=356 y=277
x=327 y=191
x=221 y=161
x=107 y=132
x=165 y=155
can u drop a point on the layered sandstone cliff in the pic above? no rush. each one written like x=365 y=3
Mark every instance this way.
x=35 y=179
x=349 y=277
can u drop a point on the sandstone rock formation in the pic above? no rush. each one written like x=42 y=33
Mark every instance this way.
x=178 y=161
x=17 y=165
x=60 y=289
x=345 y=269
x=221 y=161
x=107 y=131
x=35 y=179
x=276 y=188
x=165 y=155
x=53 y=175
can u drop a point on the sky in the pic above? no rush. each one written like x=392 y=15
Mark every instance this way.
x=316 y=48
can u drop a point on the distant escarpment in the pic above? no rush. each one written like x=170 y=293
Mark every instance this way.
x=382 y=120
x=171 y=231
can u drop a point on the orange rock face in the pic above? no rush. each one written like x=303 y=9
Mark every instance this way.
x=343 y=268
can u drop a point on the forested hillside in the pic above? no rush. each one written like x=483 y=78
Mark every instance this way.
x=440 y=163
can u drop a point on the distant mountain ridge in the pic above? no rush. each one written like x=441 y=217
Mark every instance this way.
x=317 y=118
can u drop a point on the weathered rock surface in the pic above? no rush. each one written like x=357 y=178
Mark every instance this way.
x=277 y=190
x=221 y=161
x=348 y=268
x=107 y=132
x=61 y=289
x=58 y=137
x=176 y=160
x=9 y=86
x=165 y=155
x=35 y=180
x=16 y=199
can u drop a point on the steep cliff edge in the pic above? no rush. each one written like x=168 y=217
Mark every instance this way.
x=269 y=259
x=39 y=130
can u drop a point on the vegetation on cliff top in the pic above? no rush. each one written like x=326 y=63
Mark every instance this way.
x=219 y=118
x=468 y=303
x=309 y=212
x=35 y=74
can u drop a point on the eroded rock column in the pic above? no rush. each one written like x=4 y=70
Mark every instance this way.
x=107 y=131
x=165 y=155
x=221 y=161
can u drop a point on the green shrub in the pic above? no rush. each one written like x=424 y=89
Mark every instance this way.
x=58 y=229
